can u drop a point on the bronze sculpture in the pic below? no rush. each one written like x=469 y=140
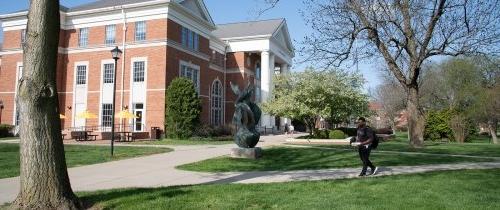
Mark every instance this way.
x=246 y=117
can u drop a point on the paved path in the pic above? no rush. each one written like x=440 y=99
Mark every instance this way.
x=159 y=170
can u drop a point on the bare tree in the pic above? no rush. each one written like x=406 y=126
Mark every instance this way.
x=404 y=34
x=44 y=177
x=393 y=99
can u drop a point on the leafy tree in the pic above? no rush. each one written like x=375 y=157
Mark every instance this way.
x=311 y=95
x=404 y=34
x=44 y=181
x=183 y=108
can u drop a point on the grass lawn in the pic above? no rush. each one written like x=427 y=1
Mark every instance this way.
x=76 y=155
x=201 y=141
x=289 y=158
x=401 y=143
x=470 y=189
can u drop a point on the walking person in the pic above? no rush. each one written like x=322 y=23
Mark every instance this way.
x=365 y=138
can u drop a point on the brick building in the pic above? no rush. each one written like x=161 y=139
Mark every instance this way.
x=160 y=40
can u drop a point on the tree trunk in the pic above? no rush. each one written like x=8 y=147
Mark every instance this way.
x=492 y=128
x=416 y=120
x=44 y=177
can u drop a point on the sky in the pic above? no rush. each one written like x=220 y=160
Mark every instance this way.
x=227 y=11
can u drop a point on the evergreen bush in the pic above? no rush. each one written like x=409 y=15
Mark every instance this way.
x=182 y=109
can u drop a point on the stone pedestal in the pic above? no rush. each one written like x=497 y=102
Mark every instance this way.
x=248 y=153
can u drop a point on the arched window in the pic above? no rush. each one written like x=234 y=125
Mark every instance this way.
x=217 y=101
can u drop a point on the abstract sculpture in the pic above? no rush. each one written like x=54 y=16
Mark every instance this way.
x=246 y=117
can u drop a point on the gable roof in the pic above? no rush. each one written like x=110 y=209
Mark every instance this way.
x=248 y=29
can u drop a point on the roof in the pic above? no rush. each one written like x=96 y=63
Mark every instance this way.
x=104 y=3
x=247 y=29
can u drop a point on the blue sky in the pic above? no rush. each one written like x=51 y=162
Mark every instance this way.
x=226 y=11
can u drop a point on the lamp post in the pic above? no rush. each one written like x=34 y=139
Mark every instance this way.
x=116 y=53
x=1 y=109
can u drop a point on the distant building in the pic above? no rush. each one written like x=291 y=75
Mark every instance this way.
x=160 y=40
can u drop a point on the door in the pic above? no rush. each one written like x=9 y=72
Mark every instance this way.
x=138 y=122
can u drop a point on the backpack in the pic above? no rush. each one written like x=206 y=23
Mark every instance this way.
x=376 y=140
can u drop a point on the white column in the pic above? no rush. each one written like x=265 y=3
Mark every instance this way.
x=267 y=71
x=284 y=68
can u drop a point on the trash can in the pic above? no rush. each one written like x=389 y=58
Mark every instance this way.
x=155 y=133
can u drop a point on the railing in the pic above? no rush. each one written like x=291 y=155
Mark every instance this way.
x=102 y=128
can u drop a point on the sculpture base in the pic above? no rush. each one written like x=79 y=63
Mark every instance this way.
x=247 y=153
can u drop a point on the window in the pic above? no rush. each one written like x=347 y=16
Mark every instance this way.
x=107 y=112
x=192 y=74
x=110 y=35
x=140 y=31
x=257 y=71
x=139 y=69
x=190 y=39
x=109 y=73
x=81 y=75
x=83 y=37
x=184 y=36
x=216 y=105
x=23 y=37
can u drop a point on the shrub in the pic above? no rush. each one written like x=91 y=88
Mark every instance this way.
x=387 y=131
x=183 y=108
x=348 y=131
x=320 y=134
x=212 y=131
x=6 y=130
x=437 y=125
x=336 y=134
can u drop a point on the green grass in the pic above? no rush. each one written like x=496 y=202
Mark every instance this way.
x=469 y=189
x=76 y=155
x=287 y=158
x=401 y=144
x=201 y=141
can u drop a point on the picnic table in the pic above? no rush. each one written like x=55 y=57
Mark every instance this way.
x=83 y=135
x=126 y=136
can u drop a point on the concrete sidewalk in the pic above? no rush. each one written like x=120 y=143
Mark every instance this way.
x=159 y=171
x=150 y=171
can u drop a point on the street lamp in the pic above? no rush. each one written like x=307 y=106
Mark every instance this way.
x=115 y=53
x=1 y=109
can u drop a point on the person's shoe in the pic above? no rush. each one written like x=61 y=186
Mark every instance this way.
x=374 y=171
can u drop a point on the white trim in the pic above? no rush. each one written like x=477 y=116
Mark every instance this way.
x=214 y=67
x=103 y=62
x=75 y=69
x=222 y=116
x=193 y=66
x=131 y=92
x=11 y=51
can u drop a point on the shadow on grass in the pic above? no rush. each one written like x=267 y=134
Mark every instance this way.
x=115 y=197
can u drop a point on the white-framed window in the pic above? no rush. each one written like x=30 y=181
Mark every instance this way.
x=140 y=31
x=257 y=71
x=23 y=37
x=110 y=36
x=108 y=73
x=192 y=72
x=83 y=37
x=106 y=115
x=139 y=71
x=190 y=39
x=81 y=75
x=217 y=101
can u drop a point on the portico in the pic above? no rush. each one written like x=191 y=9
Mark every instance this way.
x=272 y=43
